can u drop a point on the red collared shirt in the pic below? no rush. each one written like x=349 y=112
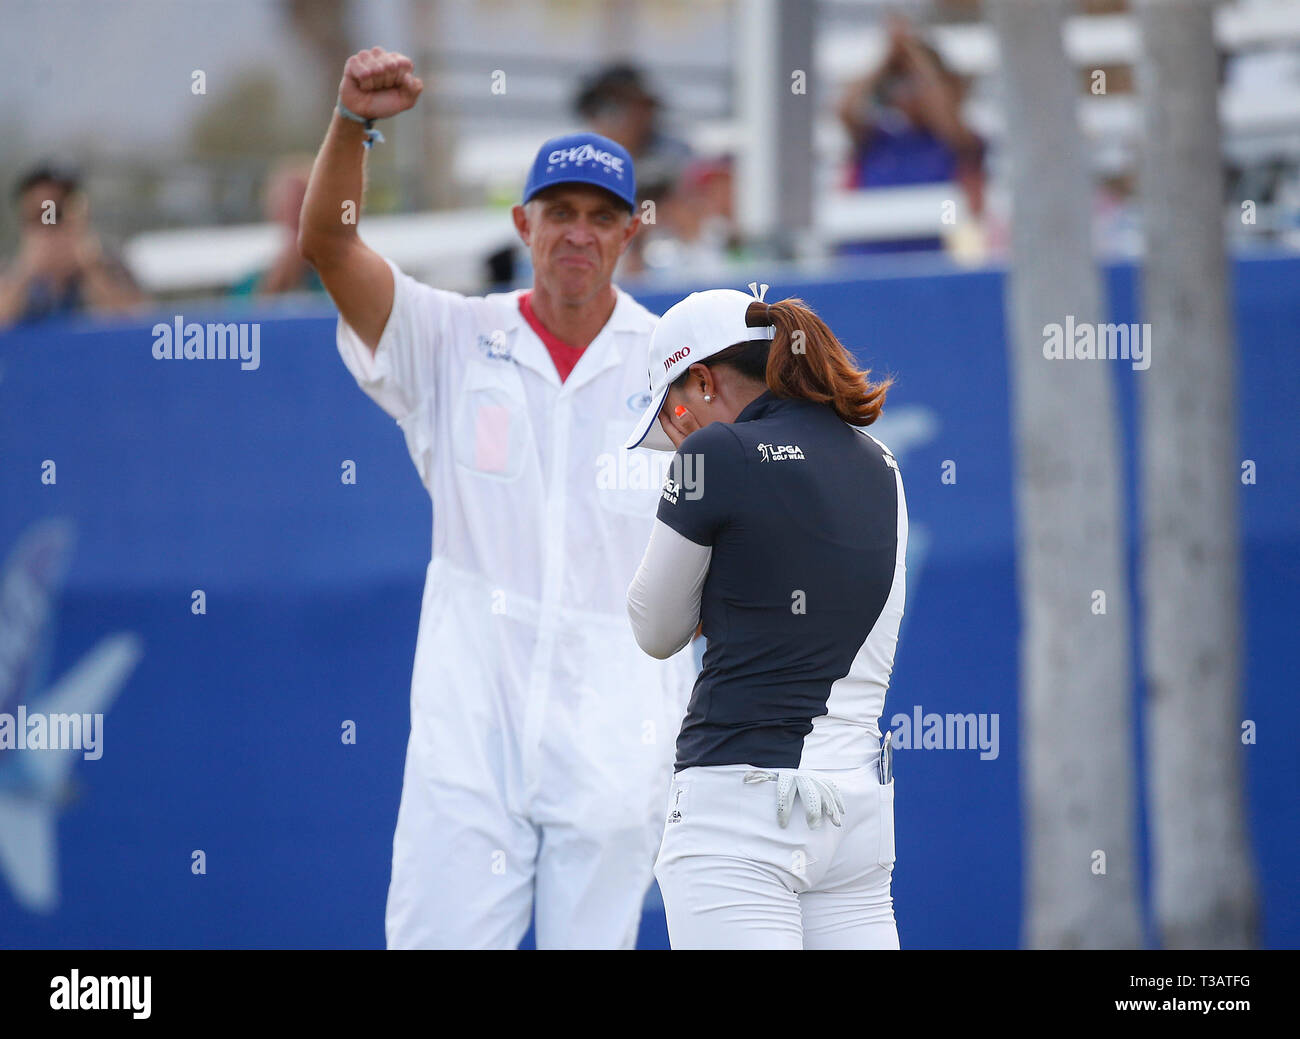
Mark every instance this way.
x=564 y=355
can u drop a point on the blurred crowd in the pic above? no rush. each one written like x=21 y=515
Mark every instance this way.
x=903 y=119
x=61 y=267
x=684 y=199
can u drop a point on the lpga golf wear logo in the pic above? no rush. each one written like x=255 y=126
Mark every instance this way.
x=780 y=452
x=583 y=154
x=678 y=812
x=685 y=478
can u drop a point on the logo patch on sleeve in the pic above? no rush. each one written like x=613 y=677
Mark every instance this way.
x=672 y=488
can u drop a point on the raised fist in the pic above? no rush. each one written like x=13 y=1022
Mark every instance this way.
x=378 y=83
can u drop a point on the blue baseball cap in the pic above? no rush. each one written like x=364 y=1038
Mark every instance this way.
x=583 y=158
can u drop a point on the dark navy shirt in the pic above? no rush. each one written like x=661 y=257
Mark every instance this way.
x=801 y=606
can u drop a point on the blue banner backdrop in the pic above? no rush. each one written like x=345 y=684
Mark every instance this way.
x=222 y=732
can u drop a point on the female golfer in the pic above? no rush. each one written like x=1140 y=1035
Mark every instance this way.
x=782 y=531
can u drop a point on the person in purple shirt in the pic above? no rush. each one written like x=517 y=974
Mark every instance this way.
x=906 y=125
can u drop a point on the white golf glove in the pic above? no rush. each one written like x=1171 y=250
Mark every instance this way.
x=820 y=796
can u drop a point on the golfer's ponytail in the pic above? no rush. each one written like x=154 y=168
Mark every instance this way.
x=805 y=360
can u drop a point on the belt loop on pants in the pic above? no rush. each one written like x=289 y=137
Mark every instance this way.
x=819 y=795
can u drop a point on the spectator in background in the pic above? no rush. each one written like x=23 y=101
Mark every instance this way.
x=694 y=231
x=61 y=267
x=906 y=126
x=616 y=103
x=1116 y=217
x=286 y=187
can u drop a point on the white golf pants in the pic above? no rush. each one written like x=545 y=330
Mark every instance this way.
x=733 y=877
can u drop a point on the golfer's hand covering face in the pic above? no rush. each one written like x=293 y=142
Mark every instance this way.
x=678 y=422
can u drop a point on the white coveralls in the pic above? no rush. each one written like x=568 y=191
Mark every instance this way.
x=542 y=738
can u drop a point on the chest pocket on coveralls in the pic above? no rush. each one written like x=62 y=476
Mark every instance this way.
x=493 y=433
x=629 y=482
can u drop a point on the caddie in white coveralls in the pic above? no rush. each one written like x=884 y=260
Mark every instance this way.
x=541 y=737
